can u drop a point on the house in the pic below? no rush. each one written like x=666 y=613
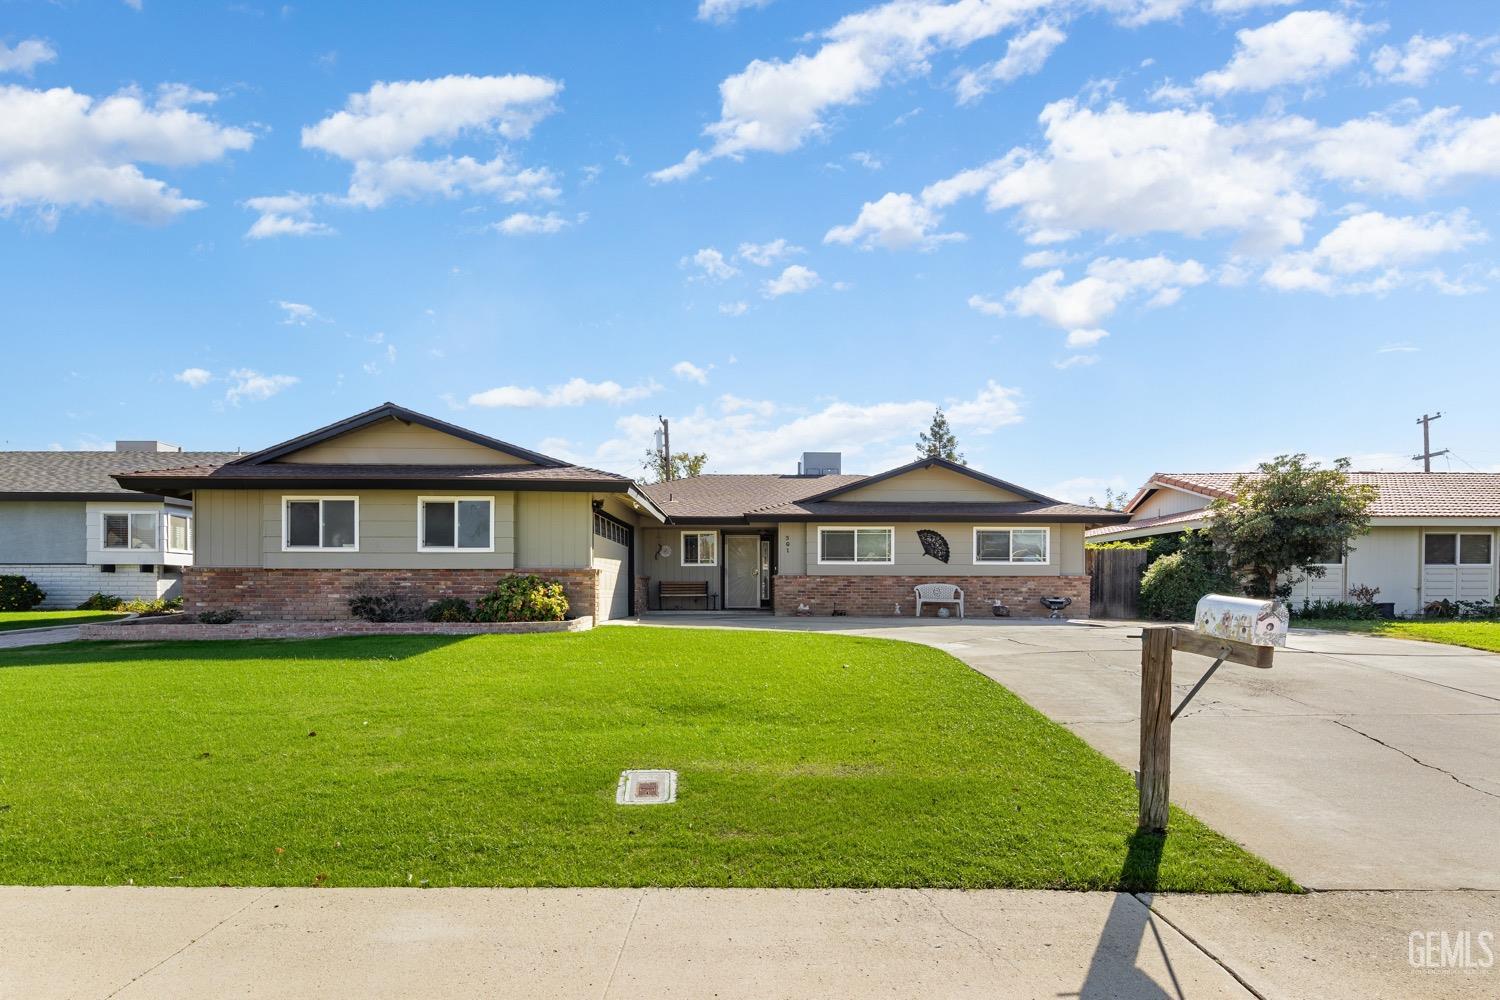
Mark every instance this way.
x=392 y=498
x=1432 y=535
x=69 y=527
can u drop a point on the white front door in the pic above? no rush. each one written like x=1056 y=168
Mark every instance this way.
x=741 y=571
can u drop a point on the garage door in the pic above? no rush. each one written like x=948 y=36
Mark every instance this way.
x=612 y=559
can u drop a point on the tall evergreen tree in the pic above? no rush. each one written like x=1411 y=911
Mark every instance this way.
x=938 y=441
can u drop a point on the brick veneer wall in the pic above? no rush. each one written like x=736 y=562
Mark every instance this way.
x=642 y=594
x=158 y=629
x=323 y=594
x=878 y=596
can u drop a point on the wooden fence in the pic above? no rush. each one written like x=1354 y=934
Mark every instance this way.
x=1115 y=582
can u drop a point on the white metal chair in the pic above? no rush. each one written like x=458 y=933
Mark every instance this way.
x=939 y=593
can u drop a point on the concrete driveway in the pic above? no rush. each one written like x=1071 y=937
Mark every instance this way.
x=1355 y=763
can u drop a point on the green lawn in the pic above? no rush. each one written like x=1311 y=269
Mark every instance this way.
x=13 y=620
x=804 y=760
x=1475 y=635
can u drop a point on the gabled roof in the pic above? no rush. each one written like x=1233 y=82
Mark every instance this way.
x=87 y=475
x=1398 y=494
x=389 y=411
x=929 y=463
x=715 y=497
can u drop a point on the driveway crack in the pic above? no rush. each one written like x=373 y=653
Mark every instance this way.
x=194 y=941
x=624 y=941
x=1414 y=760
x=990 y=953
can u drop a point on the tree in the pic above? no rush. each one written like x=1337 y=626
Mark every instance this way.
x=1112 y=500
x=684 y=464
x=1291 y=515
x=938 y=440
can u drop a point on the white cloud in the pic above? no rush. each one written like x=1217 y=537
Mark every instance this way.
x=299 y=314
x=794 y=280
x=724 y=11
x=1301 y=47
x=26 y=56
x=197 y=378
x=895 y=222
x=730 y=403
x=1232 y=7
x=734 y=308
x=1045 y=258
x=689 y=372
x=287 y=214
x=766 y=254
x=986 y=306
x=1076 y=361
x=866 y=159
x=1369 y=242
x=1418 y=60
x=1398 y=349
x=1024 y=55
x=1410 y=158
x=1085 y=338
x=574 y=392
x=1080 y=307
x=526 y=224
x=1082 y=489
x=376 y=182
x=711 y=265
x=60 y=148
x=252 y=385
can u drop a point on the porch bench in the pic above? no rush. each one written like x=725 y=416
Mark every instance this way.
x=939 y=593
x=691 y=589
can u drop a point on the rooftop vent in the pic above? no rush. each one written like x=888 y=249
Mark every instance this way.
x=646 y=788
x=821 y=463
x=146 y=446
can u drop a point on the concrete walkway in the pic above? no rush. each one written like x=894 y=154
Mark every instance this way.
x=38 y=636
x=753 y=944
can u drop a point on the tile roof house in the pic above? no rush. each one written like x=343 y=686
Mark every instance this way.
x=1432 y=537
x=395 y=498
x=68 y=526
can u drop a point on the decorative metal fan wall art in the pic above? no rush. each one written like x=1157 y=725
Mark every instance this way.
x=934 y=544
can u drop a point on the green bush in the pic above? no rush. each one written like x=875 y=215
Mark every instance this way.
x=101 y=602
x=1337 y=611
x=222 y=617
x=159 y=606
x=19 y=594
x=1172 y=585
x=449 y=609
x=523 y=599
x=387 y=606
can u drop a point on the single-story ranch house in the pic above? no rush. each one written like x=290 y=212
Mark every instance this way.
x=391 y=498
x=70 y=528
x=1432 y=535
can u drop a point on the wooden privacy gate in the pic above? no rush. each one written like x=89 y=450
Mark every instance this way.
x=1115 y=582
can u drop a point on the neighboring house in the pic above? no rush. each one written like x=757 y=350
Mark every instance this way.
x=393 y=498
x=1432 y=537
x=73 y=530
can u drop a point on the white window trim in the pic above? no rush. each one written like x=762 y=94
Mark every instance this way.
x=166 y=531
x=103 y=534
x=856 y=561
x=682 y=549
x=320 y=547
x=1458 y=546
x=1046 y=545
x=423 y=501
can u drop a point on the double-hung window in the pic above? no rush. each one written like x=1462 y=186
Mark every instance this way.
x=700 y=548
x=1011 y=545
x=857 y=545
x=320 y=523
x=1452 y=549
x=456 y=524
x=179 y=533
x=135 y=530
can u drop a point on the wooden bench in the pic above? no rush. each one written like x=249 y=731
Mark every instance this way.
x=691 y=589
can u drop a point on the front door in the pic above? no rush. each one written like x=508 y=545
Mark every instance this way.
x=741 y=571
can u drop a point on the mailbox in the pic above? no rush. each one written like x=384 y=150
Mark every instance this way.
x=1243 y=619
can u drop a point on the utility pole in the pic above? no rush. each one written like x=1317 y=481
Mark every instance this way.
x=1427 y=453
x=666 y=447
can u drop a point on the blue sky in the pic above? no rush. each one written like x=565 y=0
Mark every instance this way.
x=1109 y=236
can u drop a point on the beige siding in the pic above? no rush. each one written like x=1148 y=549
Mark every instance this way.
x=392 y=442
x=933 y=484
x=554 y=530
x=227 y=525
x=1169 y=501
x=387 y=535
x=670 y=567
x=791 y=549
x=1065 y=556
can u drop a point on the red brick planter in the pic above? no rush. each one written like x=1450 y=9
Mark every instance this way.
x=156 y=630
x=879 y=596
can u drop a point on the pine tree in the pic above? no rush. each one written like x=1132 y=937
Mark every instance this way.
x=938 y=441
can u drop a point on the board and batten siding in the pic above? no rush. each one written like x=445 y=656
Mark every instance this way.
x=228 y=528
x=49 y=532
x=930 y=485
x=391 y=442
x=553 y=530
x=1169 y=501
x=1065 y=555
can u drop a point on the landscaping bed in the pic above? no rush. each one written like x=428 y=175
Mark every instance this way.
x=804 y=761
x=184 y=627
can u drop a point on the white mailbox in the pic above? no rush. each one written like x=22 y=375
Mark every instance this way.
x=1243 y=619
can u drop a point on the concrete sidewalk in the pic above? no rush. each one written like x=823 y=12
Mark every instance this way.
x=760 y=944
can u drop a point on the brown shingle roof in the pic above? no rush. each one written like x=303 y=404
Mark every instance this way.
x=87 y=473
x=733 y=496
x=1400 y=494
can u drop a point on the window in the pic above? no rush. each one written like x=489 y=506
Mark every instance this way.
x=320 y=523
x=613 y=531
x=857 y=545
x=700 y=548
x=1448 y=549
x=1012 y=545
x=129 y=531
x=179 y=533
x=447 y=524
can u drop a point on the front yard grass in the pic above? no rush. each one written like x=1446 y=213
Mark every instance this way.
x=10 y=621
x=1475 y=635
x=804 y=760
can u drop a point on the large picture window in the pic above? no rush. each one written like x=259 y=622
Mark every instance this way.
x=320 y=523
x=447 y=524
x=135 y=530
x=1012 y=545
x=1442 y=548
x=857 y=545
x=700 y=548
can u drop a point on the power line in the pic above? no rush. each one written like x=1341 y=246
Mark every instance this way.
x=1427 y=453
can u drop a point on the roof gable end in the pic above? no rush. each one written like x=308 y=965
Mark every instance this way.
x=878 y=486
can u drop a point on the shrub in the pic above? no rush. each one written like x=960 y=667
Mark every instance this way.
x=387 y=606
x=17 y=593
x=1172 y=585
x=523 y=599
x=1337 y=611
x=1440 y=609
x=449 y=609
x=101 y=602
x=222 y=617
x=156 y=607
